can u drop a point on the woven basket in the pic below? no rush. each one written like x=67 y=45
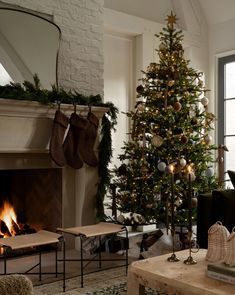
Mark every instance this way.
x=217 y=242
x=230 y=254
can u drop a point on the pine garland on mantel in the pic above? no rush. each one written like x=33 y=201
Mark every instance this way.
x=34 y=92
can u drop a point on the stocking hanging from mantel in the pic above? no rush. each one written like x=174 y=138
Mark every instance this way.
x=87 y=140
x=77 y=126
x=59 y=127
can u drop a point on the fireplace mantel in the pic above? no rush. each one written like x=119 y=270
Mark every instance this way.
x=25 y=131
x=25 y=126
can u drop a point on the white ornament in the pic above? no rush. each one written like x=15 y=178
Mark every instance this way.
x=161 y=166
x=208 y=139
x=178 y=202
x=183 y=162
x=193 y=176
x=210 y=172
x=204 y=101
x=157 y=140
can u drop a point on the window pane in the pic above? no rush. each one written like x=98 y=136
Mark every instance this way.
x=4 y=76
x=230 y=117
x=230 y=155
x=229 y=80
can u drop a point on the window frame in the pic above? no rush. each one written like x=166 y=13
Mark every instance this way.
x=222 y=61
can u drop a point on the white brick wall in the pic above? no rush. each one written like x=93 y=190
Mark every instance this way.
x=81 y=52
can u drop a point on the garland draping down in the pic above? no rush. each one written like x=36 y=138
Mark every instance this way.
x=34 y=92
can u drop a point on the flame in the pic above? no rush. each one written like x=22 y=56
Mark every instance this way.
x=171 y=168
x=8 y=216
x=189 y=169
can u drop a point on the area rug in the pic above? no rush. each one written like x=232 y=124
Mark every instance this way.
x=112 y=281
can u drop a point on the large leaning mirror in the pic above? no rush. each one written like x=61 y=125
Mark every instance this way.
x=29 y=45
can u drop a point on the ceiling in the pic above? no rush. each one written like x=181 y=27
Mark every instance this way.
x=218 y=11
x=215 y=11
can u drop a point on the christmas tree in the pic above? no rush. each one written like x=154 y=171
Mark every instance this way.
x=170 y=137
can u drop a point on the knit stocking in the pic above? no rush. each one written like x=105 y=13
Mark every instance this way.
x=73 y=139
x=87 y=141
x=59 y=127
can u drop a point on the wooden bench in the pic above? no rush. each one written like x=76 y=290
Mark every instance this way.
x=94 y=230
x=37 y=240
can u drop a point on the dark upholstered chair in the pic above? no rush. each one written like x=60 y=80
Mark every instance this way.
x=216 y=206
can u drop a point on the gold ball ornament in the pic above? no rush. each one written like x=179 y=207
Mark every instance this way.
x=194 y=121
x=177 y=106
x=149 y=206
x=141 y=107
x=171 y=83
x=152 y=67
x=184 y=139
x=194 y=202
x=162 y=47
x=140 y=89
x=157 y=140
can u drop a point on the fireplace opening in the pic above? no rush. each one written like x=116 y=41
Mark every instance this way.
x=30 y=200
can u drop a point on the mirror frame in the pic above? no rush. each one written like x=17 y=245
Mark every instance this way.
x=49 y=21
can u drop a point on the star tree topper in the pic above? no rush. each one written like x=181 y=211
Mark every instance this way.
x=171 y=20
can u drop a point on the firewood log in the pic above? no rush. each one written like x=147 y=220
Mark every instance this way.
x=4 y=229
x=15 y=227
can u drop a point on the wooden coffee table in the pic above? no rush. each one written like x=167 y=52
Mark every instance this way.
x=175 y=278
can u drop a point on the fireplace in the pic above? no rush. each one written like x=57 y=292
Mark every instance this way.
x=35 y=196
x=68 y=194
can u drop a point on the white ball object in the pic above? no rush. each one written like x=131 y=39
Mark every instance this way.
x=193 y=176
x=208 y=139
x=210 y=172
x=204 y=101
x=161 y=166
x=183 y=162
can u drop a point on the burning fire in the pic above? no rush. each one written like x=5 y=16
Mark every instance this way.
x=8 y=221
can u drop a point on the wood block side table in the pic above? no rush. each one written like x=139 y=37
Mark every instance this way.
x=175 y=278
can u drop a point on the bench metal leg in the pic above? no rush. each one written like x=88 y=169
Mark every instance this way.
x=81 y=262
x=40 y=265
x=56 y=259
x=99 y=251
x=63 y=265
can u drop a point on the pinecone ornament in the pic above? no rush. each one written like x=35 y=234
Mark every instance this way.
x=217 y=242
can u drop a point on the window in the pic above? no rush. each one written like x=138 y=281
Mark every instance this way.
x=4 y=76
x=226 y=111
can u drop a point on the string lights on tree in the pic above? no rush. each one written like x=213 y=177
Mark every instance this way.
x=170 y=126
